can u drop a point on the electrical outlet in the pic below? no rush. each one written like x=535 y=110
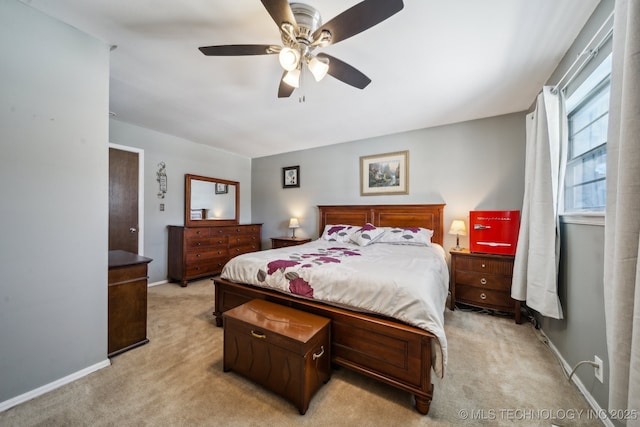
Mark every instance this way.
x=599 y=369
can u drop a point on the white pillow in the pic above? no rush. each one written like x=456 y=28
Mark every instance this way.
x=407 y=236
x=366 y=234
x=338 y=232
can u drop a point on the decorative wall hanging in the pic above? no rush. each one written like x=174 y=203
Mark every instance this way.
x=384 y=174
x=162 y=180
x=291 y=177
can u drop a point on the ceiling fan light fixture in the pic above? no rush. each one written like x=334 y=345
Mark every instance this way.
x=292 y=78
x=289 y=58
x=318 y=67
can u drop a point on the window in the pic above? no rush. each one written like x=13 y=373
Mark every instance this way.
x=588 y=118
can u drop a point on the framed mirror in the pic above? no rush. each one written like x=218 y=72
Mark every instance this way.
x=210 y=201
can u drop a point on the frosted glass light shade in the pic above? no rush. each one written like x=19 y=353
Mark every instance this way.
x=292 y=78
x=318 y=67
x=289 y=58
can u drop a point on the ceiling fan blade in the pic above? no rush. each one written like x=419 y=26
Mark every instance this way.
x=280 y=12
x=239 y=49
x=284 y=90
x=345 y=72
x=358 y=18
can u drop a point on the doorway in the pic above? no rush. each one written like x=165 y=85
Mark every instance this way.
x=125 y=198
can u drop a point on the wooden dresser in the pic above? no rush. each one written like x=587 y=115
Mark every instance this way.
x=483 y=280
x=196 y=252
x=127 y=294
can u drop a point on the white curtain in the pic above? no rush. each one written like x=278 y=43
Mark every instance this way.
x=535 y=275
x=622 y=221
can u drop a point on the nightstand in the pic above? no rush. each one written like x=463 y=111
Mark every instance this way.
x=282 y=242
x=483 y=280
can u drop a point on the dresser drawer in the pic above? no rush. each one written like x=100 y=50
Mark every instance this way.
x=205 y=266
x=194 y=233
x=238 y=250
x=220 y=252
x=484 y=265
x=244 y=229
x=484 y=281
x=242 y=240
x=206 y=242
x=128 y=274
x=484 y=297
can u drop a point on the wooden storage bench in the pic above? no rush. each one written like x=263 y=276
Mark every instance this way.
x=281 y=348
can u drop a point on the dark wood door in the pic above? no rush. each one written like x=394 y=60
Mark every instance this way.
x=123 y=200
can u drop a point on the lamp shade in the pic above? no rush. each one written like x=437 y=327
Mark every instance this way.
x=458 y=227
x=294 y=223
x=318 y=67
x=292 y=78
x=289 y=58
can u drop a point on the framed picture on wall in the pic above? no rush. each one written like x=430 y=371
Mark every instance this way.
x=384 y=174
x=222 y=188
x=291 y=177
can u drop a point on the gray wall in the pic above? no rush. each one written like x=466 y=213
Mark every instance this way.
x=181 y=157
x=472 y=165
x=581 y=334
x=54 y=82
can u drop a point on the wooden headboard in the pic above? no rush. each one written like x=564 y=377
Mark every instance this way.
x=425 y=216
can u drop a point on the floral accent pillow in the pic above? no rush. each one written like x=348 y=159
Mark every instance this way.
x=407 y=236
x=369 y=233
x=338 y=233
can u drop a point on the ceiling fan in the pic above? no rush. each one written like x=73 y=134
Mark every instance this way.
x=302 y=31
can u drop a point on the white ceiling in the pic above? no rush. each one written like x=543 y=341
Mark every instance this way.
x=435 y=62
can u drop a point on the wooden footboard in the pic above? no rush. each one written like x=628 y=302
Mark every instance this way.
x=387 y=350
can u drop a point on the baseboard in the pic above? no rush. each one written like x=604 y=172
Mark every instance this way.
x=587 y=395
x=52 y=386
x=161 y=282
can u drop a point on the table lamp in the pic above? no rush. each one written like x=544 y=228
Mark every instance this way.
x=293 y=224
x=458 y=229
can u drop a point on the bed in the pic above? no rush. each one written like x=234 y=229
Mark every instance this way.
x=393 y=351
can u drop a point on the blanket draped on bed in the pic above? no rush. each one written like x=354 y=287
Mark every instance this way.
x=404 y=282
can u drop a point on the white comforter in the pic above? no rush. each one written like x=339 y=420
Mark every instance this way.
x=408 y=283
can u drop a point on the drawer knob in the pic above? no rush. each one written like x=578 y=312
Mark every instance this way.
x=483 y=296
x=483 y=281
x=483 y=266
x=318 y=355
x=258 y=334
x=197 y=255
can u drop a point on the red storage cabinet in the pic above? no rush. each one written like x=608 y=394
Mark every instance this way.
x=494 y=232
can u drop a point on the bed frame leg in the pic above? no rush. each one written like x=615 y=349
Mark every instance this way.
x=424 y=402
x=218 y=319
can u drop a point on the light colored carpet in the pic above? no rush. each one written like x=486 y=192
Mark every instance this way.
x=499 y=373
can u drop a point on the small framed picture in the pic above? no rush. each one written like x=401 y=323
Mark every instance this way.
x=291 y=177
x=383 y=174
x=222 y=188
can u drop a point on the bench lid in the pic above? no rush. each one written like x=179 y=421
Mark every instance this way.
x=295 y=324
